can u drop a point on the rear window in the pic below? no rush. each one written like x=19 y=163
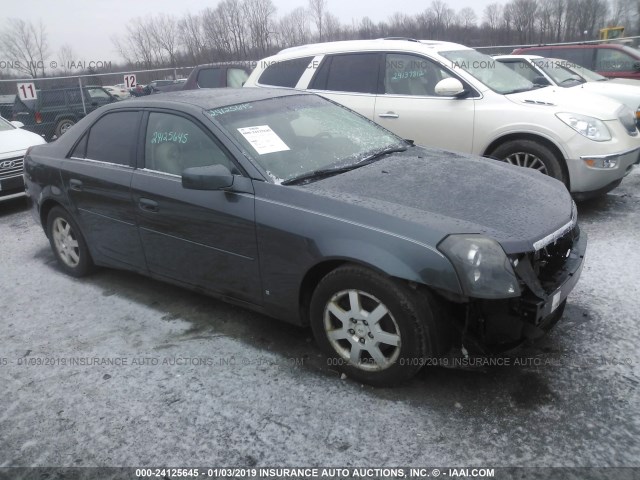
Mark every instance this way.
x=113 y=138
x=51 y=98
x=210 y=78
x=356 y=72
x=286 y=73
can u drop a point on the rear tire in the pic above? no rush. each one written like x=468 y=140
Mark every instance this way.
x=530 y=154
x=373 y=328
x=64 y=125
x=68 y=244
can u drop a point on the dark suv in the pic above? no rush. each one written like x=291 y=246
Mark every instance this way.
x=219 y=75
x=608 y=59
x=55 y=110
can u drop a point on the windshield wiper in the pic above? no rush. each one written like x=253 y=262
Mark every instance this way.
x=520 y=90
x=327 y=172
x=572 y=79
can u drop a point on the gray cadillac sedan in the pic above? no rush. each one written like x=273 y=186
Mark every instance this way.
x=296 y=207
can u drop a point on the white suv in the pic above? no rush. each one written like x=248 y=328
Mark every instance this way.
x=450 y=96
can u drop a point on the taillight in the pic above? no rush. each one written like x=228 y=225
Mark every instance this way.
x=38 y=116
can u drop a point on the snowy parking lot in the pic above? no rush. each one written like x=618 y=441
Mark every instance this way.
x=120 y=370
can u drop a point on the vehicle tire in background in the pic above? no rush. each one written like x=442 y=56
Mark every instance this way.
x=68 y=244
x=373 y=328
x=63 y=125
x=530 y=154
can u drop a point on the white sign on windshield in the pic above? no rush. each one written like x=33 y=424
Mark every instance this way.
x=263 y=139
x=27 y=91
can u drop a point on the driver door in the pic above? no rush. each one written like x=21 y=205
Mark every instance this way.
x=205 y=239
x=410 y=108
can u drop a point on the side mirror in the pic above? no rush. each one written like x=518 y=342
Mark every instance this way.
x=450 y=87
x=211 y=177
x=636 y=66
x=17 y=124
x=541 y=81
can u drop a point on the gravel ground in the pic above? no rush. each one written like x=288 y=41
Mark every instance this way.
x=200 y=382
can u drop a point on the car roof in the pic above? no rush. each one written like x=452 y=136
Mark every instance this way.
x=370 y=45
x=209 y=98
x=525 y=57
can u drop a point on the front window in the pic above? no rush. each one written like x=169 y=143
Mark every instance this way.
x=613 y=60
x=236 y=77
x=411 y=75
x=292 y=137
x=489 y=71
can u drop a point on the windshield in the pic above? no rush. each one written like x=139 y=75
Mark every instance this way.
x=559 y=71
x=489 y=71
x=291 y=137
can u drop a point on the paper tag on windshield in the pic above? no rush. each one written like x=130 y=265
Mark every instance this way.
x=263 y=139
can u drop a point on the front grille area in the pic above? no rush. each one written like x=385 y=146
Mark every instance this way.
x=549 y=262
x=11 y=167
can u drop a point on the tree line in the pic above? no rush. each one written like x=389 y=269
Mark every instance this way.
x=252 y=29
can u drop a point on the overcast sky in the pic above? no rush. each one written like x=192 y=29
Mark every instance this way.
x=88 y=25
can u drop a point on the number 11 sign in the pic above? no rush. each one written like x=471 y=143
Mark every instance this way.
x=27 y=91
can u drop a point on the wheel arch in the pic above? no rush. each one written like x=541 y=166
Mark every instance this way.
x=534 y=138
x=45 y=208
x=318 y=271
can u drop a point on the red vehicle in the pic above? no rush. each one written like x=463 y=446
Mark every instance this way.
x=608 y=59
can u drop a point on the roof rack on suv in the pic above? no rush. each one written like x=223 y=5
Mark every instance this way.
x=401 y=38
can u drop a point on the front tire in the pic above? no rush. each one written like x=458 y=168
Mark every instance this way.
x=373 y=328
x=68 y=244
x=530 y=154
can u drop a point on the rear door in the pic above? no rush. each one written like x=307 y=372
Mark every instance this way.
x=205 y=239
x=351 y=79
x=97 y=179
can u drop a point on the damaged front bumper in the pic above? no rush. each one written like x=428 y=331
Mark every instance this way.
x=546 y=278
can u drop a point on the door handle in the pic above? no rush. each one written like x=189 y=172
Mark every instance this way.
x=148 y=205
x=388 y=115
x=75 y=185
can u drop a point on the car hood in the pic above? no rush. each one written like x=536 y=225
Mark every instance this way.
x=569 y=100
x=627 y=94
x=427 y=194
x=16 y=140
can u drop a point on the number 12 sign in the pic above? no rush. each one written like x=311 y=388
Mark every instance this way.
x=130 y=80
x=27 y=91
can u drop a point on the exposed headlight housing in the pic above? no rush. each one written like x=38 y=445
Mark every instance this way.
x=482 y=266
x=589 y=127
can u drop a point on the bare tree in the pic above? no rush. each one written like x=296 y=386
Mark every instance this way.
x=165 y=33
x=318 y=8
x=294 y=28
x=26 y=44
x=492 y=19
x=192 y=36
x=259 y=14
x=332 y=27
x=66 y=56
